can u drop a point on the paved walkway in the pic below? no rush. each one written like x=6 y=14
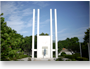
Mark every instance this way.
x=42 y=59
x=23 y=59
x=36 y=59
x=45 y=59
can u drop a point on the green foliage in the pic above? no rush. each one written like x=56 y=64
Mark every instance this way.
x=53 y=45
x=68 y=60
x=71 y=44
x=18 y=56
x=10 y=41
x=59 y=59
x=63 y=54
x=81 y=59
x=5 y=58
x=73 y=60
x=74 y=56
x=23 y=56
x=12 y=54
x=30 y=56
x=84 y=44
x=44 y=34
x=84 y=50
x=59 y=56
x=69 y=56
x=87 y=34
x=54 y=56
x=27 y=44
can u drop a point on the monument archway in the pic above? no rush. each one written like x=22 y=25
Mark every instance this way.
x=44 y=43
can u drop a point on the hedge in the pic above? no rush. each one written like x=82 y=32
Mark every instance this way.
x=76 y=57
x=82 y=59
x=59 y=59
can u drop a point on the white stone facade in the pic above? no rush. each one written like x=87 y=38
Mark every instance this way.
x=44 y=43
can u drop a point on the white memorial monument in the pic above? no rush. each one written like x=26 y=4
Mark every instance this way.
x=44 y=42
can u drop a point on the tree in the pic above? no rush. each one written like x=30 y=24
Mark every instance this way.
x=74 y=45
x=10 y=41
x=46 y=34
x=27 y=44
x=86 y=37
x=84 y=44
x=60 y=46
x=71 y=44
x=42 y=33
x=84 y=50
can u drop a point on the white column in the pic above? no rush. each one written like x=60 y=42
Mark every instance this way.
x=56 y=44
x=33 y=33
x=51 y=33
x=37 y=30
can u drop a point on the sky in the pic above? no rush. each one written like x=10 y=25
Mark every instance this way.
x=72 y=17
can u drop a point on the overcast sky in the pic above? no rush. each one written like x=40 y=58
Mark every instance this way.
x=72 y=17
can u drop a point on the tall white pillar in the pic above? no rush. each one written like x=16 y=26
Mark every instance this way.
x=37 y=31
x=56 y=33
x=51 y=33
x=33 y=33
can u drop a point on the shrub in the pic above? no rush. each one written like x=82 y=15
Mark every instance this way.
x=17 y=55
x=5 y=58
x=73 y=59
x=63 y=54
x=25 y=56
x=14 y=58
x=74 y=56
x=30 y=56
x=68 y=60
x=82 y=59
x=59 y=55
x=59 y=59
x=69 y=56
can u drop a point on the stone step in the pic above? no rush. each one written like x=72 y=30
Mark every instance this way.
x=42 y=59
